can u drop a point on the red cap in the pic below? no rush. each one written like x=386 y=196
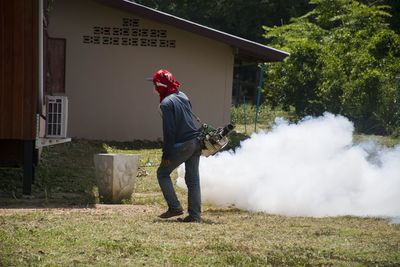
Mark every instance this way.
x=165 y=83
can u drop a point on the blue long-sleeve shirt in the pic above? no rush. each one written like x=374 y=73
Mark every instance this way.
x=178 y=124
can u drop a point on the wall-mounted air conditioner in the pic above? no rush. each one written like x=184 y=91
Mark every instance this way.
x=56 y=116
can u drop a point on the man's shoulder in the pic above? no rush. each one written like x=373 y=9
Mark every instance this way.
x=174 y=99
x=182 y=94
x=182 y=97
x=168 y=100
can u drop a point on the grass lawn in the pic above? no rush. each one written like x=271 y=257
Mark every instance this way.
x=64 y=224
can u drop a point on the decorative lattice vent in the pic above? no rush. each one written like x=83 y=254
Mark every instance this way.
x=130 y=34
x=130 y=22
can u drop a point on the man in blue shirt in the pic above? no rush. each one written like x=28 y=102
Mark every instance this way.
x=181 y=145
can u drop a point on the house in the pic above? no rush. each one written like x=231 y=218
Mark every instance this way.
x=97 y=54
x=19 y=79
x=22 y=102
x=112 y=46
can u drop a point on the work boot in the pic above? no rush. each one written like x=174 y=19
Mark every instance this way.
x=171 y=213
x=189 y=219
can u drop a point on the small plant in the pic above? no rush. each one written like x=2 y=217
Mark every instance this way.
x=245 y=115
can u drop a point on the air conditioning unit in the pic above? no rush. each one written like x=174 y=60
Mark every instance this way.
x=56 y=116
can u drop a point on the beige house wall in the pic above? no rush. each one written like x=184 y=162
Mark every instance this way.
x=108 y=95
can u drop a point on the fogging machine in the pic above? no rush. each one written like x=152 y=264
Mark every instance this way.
x=214 y=139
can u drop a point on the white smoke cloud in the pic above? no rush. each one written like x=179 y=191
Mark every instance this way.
x=312 y=168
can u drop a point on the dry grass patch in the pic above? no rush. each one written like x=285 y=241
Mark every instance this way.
x=133 y=235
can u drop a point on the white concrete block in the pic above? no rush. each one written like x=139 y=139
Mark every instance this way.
x=116 y=175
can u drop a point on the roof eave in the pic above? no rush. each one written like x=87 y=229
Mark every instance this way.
x=256 y=58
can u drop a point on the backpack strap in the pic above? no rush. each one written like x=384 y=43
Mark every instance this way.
x=189 y=109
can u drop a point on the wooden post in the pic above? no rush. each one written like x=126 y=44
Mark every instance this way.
x=29 y=169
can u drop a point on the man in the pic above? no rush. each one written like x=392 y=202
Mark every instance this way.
x=181 y=145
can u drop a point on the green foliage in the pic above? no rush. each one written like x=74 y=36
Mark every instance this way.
x=241 y=18
x=344 y=59
x=246 y=114
x=243 y=117
x=245 y=18
x=394 y=11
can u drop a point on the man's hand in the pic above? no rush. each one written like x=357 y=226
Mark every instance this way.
x=165 y=162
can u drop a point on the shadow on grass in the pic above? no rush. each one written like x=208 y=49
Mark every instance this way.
x=65 y=176
x=135 y=145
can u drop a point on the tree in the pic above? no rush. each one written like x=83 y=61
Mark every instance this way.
x=344 y=59
x=237 y=17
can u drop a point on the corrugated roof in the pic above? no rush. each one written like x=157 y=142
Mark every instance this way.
x=244 y=48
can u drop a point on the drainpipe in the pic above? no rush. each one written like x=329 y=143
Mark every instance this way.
x=260 y=84
x=40 y=57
